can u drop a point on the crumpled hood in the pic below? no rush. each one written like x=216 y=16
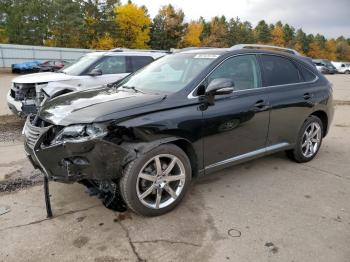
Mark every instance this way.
x=41 y=78
x=91 y=105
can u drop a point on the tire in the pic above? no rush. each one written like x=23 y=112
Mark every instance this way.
x=347 y=72
x=141 y=194
x=300 y=153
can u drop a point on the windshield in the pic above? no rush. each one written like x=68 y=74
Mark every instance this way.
x=168 y=74
x=81 y=65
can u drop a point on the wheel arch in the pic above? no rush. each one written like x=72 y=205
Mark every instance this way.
x=322 y=115
x=187 y=147
x=144 y=147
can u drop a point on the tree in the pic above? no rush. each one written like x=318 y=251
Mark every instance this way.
x=331 y=50
x=343 y=50
x=262 y=33
x=133 y=26
x=25 y=22
x=218 y=33
x=167 y=28
x=288 y=35
x=105 y=42
x=192 y=34
x=277 y=36
x=314 y=50
x=321 y=41
x=67 y=24
x=3 y=36
x=301 y=42
x=99 y=21
x=240 y=32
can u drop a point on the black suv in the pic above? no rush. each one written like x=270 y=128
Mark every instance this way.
x=184 y=115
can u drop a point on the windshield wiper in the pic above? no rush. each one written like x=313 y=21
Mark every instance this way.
x=133 y=88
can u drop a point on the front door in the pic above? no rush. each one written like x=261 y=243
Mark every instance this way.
x=236 y=126
x=113 y=68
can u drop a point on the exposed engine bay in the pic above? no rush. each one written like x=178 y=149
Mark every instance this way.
x=29 y=94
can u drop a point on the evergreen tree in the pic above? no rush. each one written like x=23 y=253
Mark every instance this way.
x=262 y=33
x=167 y=28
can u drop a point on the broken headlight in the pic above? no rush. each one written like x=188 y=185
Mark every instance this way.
x=80 y=133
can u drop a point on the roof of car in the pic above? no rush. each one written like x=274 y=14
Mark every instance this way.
x=153 y=54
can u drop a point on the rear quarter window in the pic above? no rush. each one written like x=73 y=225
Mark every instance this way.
x=278 y=70
x=307 y=74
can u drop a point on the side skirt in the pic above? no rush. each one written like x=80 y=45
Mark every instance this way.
x=245 y=157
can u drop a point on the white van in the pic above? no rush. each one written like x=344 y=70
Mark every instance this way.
x=92 y=70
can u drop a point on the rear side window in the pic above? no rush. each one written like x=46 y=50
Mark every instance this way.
x=138 y=62
x=279 y=71
x=308 y=75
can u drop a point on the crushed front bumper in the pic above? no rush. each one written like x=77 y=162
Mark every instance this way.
x=20 y=108
x=95 y=159
x=14 y=106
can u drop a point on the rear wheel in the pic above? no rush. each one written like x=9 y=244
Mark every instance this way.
x=156 y=182
x=347 y=72
x=308 y=142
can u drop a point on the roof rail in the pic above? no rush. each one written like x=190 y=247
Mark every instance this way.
x=119 y=49
x=258 y=46
x=178 y=50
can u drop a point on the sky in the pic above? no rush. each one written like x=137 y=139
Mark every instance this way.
x=328 y=17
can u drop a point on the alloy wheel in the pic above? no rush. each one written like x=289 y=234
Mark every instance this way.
x=311 y=139
x=160 y=181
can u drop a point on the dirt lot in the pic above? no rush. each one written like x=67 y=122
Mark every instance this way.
x=269 y=209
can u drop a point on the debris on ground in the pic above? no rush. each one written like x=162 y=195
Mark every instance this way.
x=272 y=248
x=4 y=210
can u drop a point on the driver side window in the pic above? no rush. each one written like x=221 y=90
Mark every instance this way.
x=112 y=65
x=242 y=70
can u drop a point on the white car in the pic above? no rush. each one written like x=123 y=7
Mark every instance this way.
x=92 y=70
x=342 y=68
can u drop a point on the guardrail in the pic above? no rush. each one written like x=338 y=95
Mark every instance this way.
x=12 y=54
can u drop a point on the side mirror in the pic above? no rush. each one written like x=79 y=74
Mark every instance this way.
x=220 y=86
x=95 y=72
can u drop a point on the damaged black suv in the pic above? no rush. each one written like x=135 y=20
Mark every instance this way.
x=142 y=140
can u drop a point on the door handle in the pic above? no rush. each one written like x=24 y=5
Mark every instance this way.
x=307 y=96
x=260 y=105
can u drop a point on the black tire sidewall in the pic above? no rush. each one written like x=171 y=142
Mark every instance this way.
x=129 y=180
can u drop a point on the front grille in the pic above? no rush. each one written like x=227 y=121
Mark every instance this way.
x=32 y=134
x=33 y=128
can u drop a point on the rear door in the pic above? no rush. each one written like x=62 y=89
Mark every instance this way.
x=236 y=126
x=290 y=95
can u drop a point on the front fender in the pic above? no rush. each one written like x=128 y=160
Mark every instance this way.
x=135 y=149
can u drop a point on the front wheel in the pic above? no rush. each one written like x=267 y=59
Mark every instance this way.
x=155 y=182
x=308 y=142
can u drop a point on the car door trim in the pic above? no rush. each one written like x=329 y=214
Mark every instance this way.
x=254 y=153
